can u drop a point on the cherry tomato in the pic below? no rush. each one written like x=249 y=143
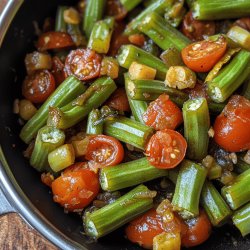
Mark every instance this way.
x=119 y=100
x=166 y=149
x=104 y=150
x=115 y=8
x=244 y=23
x=58 y=70
x=137 y=39
x=85 y=64
x=76 y=187
x=38 y=86
x=198 y=231
x=197 y=30
x=54 y=40
x=143 y=229
x=118 y=38
x=202 y=56
x=231 y=127
x=162 y=114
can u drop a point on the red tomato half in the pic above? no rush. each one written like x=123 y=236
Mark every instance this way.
x=143 y=229
x=38 y=86
x=58 y=70
x=119 y=100
x=84 y=64
x=231 y=127
x=76 y=187
x=163 y=114
x=202 y=56
x=166 y=149
x=54 y=40
x=198 y=231
x=197 y=30
x=104 y=150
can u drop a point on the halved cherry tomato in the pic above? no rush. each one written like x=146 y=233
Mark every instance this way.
x=104 y=150
x=38 y=86
x=54 y=40
x=76 y=187
x=202 y=56
x=143 y=229
x=118 y=38
x=85 y=64
x=163 y=114
x=197 y=30
x=166 y=149
x=119 y=100
x=231 y=127
x=115 y=8
x=198 y=231
x=58 y=70
x=137 y=39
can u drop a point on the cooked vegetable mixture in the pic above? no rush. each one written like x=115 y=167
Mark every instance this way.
x=137 y=113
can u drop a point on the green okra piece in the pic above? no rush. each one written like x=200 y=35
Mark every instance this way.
x=93 y=12
x=240 y=36
x=128 y=131
x=230 y=77
x=237 y=193
x=246 y=89
x=138 y=108
x=65 y=92
x=188 y=188
x=78 y=109
x=241 y=166
x=115 y=215
x=196 y=125
x=162 y=33
x=149 y=90
x=241 y=219
x=129 y=174
x=48 y=139
x=100 y=36
x=216 y=208
x=130 y=5
x=220 y=9
x=159 y=6
x=93 y=126
x=130 y=53
x=60 y=24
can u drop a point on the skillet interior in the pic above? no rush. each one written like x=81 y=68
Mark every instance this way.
x=19 y=41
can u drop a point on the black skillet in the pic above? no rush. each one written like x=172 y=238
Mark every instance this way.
x=19 y=182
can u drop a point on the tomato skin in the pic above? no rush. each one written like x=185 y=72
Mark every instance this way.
x=197 y=232
x=54 y=40
x=119 y=100
x=104 y=150
x=118 y=39
x=84 y=64
x=166 y=149
x=197 y=30
x=58 y=70
x=76 y=187
x=231 y=127
x=115 y=8
x=243 y=22
x=38 y=86
x=202 y=56
x=143 y=229
x=137 y=39
x=163 y=114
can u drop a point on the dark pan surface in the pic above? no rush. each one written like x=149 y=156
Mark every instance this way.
x=38 y=207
